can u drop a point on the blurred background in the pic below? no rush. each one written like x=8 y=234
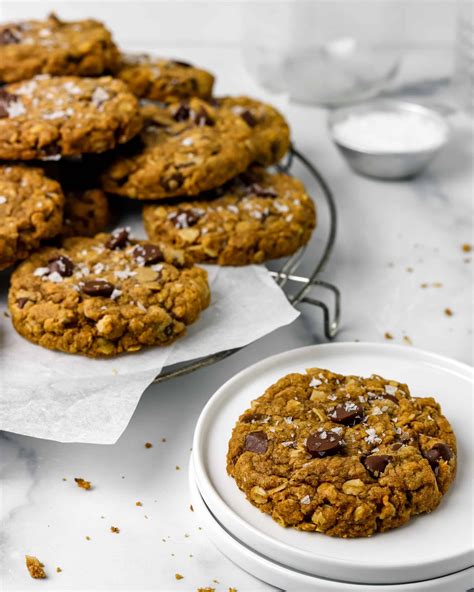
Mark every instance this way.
x=320 y=52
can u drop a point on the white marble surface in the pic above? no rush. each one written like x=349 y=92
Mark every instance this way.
x=392 y=238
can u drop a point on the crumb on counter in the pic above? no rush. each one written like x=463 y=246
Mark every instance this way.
x=191 y=507
x=115 y=529
x=448 y=312
x=466 y=247
x=138 y=504
x=58 y=570
x=35 y=567
x=178 y=468
x=178 y=576
x=148 y=445
x=407 y=340
x=388 y=335
x=82 y=483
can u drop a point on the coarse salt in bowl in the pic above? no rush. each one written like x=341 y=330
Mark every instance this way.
x=388 y=139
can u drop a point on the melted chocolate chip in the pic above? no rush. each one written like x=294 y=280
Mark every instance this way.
x=376 y=463
x=180 y=63
x=62 y=265
x=324 y=443
x=168 y=330
x=248 y=118
x=390 y=397
x=347 y=413
x=6 y=99
x=202 y=117
x=173 y=182
x=147 y=254
x=118 y=239
x=182 y=113
x=439 y=452
x=184 y=218
x=98 y=288
x=256 y=442
x=21 y=302
x=397 y=446
x=9 y=37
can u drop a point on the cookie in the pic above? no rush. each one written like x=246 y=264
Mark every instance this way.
x=187 y=148
x=106 y=295
x=255 y=217
x=342 y=455
x=31 y=210
x=164 y=80
x=86 y=212
x=52 y=46
x=50 y=117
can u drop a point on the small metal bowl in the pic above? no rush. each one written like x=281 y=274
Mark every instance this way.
x=387 y=165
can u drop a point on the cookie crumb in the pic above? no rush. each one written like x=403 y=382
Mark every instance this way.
x=409 y=269
x=191 y=507
x=388 y=335
x=207 y=589
x=178 y=576
x=407 y=340
x=148 y=445
x=178 y=468
x=58 y=570
x=138 y=504
x=82 y=483
x=35 y=567
x=163 y=439
x=115 y=529
x=448 y=312
x=88 y=538
x=466 y=247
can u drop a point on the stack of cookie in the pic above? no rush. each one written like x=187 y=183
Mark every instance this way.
x=147 y=129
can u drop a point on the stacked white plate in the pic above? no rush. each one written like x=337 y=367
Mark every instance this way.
x=432 y=553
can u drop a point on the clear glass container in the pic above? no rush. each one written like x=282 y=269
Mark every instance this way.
x=323 y=52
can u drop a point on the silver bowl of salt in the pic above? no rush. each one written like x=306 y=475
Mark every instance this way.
x=388 y=139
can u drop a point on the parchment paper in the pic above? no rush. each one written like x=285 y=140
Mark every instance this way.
x=71 y=398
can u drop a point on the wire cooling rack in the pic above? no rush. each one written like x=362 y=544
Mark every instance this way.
x=299 y=288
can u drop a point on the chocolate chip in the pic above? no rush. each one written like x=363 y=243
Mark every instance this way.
x=376 y=463
x=168 y=330
x=180 y=63
x=390 y=397
x=21 y=302
x=147 y=254
x=9 y=37
x=248 y=118
x=184 y=218
x=324 y=443
x=62 y=265
x=347 y=413
x=173 y=182
x=182 y=113
x=254 y=418
x=397 y=446
x=260 y=191
x=50 y=150
x=439 y=452
x=118 y=239
x=256 y=442
x=6 y=99
x=202 y=117
x=98 y=288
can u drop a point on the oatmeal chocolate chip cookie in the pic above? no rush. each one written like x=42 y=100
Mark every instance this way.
x=255 y=217
x=271 y=134
x=164 y=80
x=190 y=147
x=31 y=209
x=52 y=46
x=86 y=212
x=106 y=295
x=342 y=455
x=63 y=116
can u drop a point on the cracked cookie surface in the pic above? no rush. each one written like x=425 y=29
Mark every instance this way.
x=254 y=217
x=342 y=455
x=160 y=79
x=106 y=295
x=187 y=148
x=52 y=46
x=49 y=117
x=86 y=212
x=31 y=210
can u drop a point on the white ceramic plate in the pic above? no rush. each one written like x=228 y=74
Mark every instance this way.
x=294 y=581
x=428 y=547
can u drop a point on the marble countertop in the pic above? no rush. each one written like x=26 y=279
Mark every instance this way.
x=399 y=264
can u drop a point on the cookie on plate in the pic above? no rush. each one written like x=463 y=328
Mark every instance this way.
x=86 y=212
x=106 y=295
x=31 y=210
x=52 y=46
x=342 y=455
x=50 y=117
x=190 y=147
x=256 y=216
x=164 y=80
